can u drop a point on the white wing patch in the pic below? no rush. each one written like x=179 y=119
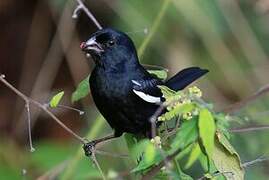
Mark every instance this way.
x=135 y=82
x=148 y=98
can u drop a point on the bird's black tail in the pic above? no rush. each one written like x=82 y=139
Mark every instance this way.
x=185 y=77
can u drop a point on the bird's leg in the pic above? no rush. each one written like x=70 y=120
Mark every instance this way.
x=90 y=146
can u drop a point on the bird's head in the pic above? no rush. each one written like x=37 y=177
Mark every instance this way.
x=110 y=47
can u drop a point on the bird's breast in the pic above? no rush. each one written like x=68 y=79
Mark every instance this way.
x=111 y=86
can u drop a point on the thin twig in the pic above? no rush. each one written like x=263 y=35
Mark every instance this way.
x=82 y=7
x=215 y=175
x=111 y=154
x=59 y=45
x=41 y=106
x=248 y=129
x=27 y=106
x=97 y=164
x=239 y=105
x=70 y=108
x=255 y=161
x=153 y=119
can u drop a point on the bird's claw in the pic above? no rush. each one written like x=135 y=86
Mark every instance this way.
x=89 y=148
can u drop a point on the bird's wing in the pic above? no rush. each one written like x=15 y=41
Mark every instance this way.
x=185 y=77
x=148 y=90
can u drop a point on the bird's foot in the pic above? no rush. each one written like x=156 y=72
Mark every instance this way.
x=89 y=148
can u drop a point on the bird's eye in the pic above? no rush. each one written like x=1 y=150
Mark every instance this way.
x=111 y=43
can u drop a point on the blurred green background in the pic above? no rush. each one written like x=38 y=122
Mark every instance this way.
x=40 y=55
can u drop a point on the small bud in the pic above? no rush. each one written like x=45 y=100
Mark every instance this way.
x=187 y=115
x=2 y=76
x=218 y=134
x=32 y=150
x=186 y=101
x=156 y=141
x=228 y=117
x=169 y=108
x=24 y=172
x=112 y=174
x=195 y=91
x=195 y=112
x=161 y=118
x=75 y=16
x=146 y=31
x=81 y=112
x=88 y=55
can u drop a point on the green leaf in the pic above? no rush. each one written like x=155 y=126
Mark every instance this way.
x=222 y=123
x=187 y=134
x=204 y=161
x=148 y=154
x=82 y=90
x=194 y=155
x=177 y=111
x=227 y=163
x=131 y=142
x=183 y=175
x=161 y=74
x=56 y=99
x=224 y=141
x=207 y=130
x=158 y=71
x=167 y=92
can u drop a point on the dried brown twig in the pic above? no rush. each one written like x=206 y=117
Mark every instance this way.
x=82 y=7
x=43 y=107
x=239 y=105
x=255 y=161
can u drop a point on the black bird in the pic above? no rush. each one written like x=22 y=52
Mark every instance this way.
x=122 y=89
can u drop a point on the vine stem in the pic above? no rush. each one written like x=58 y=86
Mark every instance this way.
x=28 y=100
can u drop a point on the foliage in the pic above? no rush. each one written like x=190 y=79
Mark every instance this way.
x=200 y=133
x=56 y=99
x=82 y=90
x=199 y=128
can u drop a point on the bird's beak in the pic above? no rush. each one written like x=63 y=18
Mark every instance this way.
x=91 y=45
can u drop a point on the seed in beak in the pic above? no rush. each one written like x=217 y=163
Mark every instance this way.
x=82 y=45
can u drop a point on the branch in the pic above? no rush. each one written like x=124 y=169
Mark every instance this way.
x=248 y=129
x=153 y=119
x=82 y=7
x=234 y=107
x=258 y=160
x=41 y=106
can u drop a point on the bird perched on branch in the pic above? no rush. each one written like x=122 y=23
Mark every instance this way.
x=125 y=93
